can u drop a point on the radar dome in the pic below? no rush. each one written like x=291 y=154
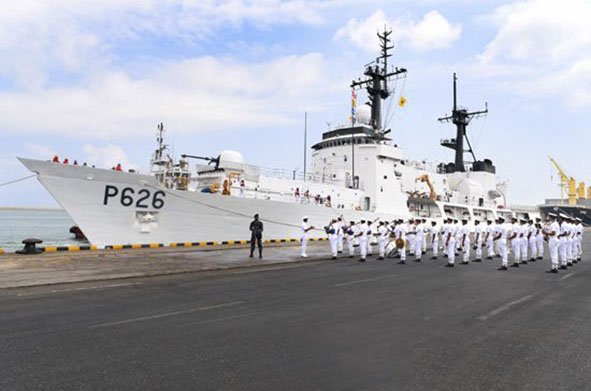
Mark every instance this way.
x=231 y=157
x=363 y=115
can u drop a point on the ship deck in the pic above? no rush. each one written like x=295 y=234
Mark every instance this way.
x=321 y=324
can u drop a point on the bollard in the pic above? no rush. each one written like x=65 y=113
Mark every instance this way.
x=30 y=246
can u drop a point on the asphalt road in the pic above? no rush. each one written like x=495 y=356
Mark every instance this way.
x=329 y=325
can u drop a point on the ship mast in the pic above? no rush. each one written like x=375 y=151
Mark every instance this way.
x=461 y=118
x=377 y=79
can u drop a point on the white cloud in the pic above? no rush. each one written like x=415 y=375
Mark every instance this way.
x=40 y=38
x=199 y=94
x=433 y=31
x=547 y=44
x=107 y=156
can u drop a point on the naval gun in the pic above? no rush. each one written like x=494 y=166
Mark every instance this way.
x=209 y=160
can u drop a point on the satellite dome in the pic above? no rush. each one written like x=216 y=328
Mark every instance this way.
x=231 y=157
x=363 y=114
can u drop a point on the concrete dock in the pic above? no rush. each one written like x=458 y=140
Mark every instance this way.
x=292 y=325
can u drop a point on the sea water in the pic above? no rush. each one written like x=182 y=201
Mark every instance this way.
x=51 y=226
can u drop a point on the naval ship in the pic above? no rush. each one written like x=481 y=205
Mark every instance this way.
x=356 y=172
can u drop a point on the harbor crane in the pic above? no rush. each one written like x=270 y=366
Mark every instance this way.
x=570 y=183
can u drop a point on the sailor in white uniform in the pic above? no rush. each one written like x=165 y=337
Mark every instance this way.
x=434 y=232
x=523 y=240
x=515 y=239
x=458 y=236
x=580 y=231
x=304 y=235
x=551 y=230
x=419 y=238
x=562 y=243
x=465 y=241
x=410 y=236
x=351 y=230
x=539 y=238
x=491 y=230
x=573 y=238
x=382 y=239
x=449 y=236
x=340 y=235
x=425 y=230
x=531 y=239
x=370 y=237
x=333 y=237
x=569 y=242
x=500 y=239
x=479 y=235
x=362 y=237
x=400 y=233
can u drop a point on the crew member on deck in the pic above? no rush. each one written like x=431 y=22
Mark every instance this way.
x=256 y=235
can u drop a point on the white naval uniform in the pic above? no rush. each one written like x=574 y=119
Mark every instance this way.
x=382 y=239
x=516 y=242
x=458 y=236
x=501 y=230
x=304 y=239
x=419 y=238
x=363 y=239
x=351 y=231
x=553 y=242
x=450 y=242
x=333 y=238
x=580 y=231
x=434 y=240
x=533 y=248
x=400 y=233
x=562 y=244
x=540 y=241
x=569 y=243
x=369 y=239
x=425 y=231
x=410 y=236
x=465 y=237
x=491 y=229
x=523 y=241
x=340 y=235
x=574 y=246
x=479 y=236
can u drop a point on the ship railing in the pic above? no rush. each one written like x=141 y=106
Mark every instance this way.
x=297 y=175
x=524 y=208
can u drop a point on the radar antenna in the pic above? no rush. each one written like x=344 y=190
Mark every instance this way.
x=461 y=118
x=377 y=79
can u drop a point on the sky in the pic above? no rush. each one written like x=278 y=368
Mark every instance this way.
x=90 y=80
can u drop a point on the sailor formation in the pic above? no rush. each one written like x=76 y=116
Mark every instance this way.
x=522 y=240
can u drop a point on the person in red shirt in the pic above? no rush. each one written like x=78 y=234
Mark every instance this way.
x=118 y=168
x=66 y=161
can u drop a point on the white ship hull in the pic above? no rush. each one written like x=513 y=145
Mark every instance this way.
x=150 y=213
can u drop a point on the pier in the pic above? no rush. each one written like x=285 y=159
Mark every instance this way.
x=208 y=319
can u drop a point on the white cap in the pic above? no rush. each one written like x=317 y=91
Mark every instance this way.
x=305 y=218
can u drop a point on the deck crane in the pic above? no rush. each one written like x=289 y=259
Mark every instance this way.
x=568 y=182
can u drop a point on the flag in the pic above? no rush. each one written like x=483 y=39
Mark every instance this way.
x=353 y=106
x=402 y=101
